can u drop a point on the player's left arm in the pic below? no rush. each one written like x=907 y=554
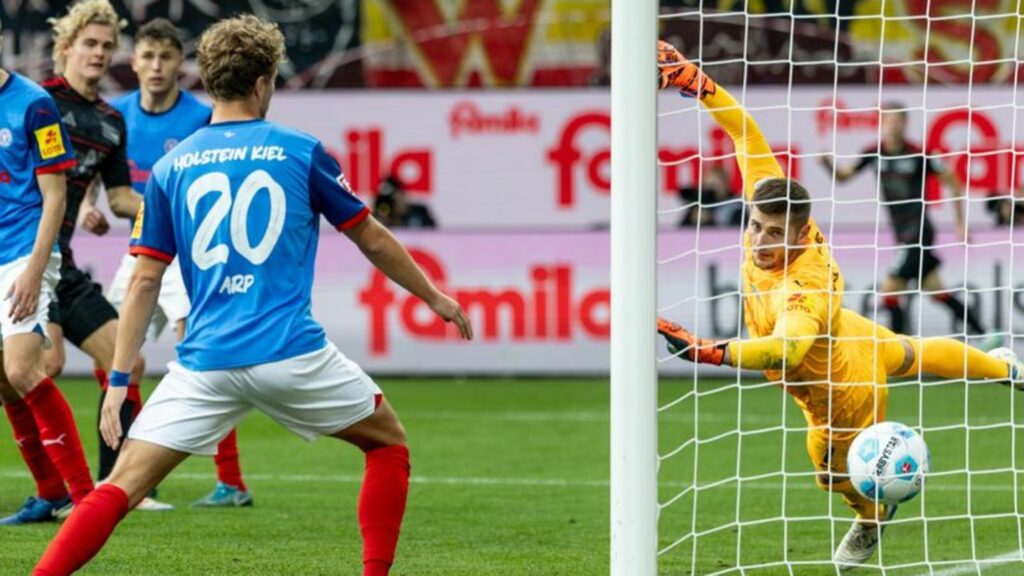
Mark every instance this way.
x=754 y=155
x=382 y=249
x=331 y=196
x=124 y=201
x=90 y=217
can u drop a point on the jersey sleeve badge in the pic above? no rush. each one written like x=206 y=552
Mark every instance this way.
x=343 y=182
x=50 y=141
x=137 y=228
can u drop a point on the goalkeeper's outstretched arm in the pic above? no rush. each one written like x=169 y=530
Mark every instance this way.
x=794 y=335
x=753 y=154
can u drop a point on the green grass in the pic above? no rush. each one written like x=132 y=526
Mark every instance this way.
x=771 y=522
x=490 y=463
x=510 y=478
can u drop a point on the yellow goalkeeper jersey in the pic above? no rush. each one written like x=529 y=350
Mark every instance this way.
x=839 y=373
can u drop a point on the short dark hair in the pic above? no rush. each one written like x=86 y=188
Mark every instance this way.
x=160 y=30
x=781 y=195
x=894 y=107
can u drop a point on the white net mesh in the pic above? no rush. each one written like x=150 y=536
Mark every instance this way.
x=737 y=485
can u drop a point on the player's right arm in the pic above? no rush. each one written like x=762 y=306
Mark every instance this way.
x=753 y=154
x=153 y=245
x=124 y=201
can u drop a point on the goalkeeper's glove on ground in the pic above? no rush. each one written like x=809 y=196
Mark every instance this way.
x=687 y=346
x=674 y=71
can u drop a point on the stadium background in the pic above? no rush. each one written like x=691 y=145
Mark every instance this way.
x=495 y=115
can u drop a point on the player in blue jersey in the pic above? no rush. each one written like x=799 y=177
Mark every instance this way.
x=158 y=116
x=35 y=153
x=239 y=203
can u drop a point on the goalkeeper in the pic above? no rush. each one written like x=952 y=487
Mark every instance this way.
x=833 y=361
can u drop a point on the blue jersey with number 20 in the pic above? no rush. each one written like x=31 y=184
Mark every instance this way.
x=239 y=204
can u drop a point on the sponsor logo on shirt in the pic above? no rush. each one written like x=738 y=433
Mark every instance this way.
x=5 y=137
x=50 y=141
x=137 y=228
x=797 y=302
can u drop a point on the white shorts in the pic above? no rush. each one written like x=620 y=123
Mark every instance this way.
x=35 y=322
x=172 y=304
x=315 y=394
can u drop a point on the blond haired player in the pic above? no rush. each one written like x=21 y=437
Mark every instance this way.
x=799 y=331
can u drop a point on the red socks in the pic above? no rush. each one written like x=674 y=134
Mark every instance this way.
x=229 y=469
x=59 y=437
x=134 y=396
x=101 y=377
x=49 y=484
x=84 y=532
x=382 y=505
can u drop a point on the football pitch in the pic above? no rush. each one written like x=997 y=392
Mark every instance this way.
x=510 y=477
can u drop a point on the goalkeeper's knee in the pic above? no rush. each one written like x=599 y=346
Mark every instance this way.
x=832 y=481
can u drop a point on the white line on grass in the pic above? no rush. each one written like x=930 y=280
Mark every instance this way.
x=793 y=417
x=602 y=416
x=356 y=479
x=510 y=481
x=982 y=564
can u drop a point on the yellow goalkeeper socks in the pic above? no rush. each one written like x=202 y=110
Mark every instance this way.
x=948 y=358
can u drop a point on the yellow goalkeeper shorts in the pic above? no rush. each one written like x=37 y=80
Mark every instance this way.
x=828 y=445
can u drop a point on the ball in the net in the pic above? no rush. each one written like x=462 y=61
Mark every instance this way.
x=888 y=462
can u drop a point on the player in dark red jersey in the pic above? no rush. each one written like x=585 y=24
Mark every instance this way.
x=84 y=42
x=902 y=171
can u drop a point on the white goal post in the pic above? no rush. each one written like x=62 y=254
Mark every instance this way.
x=714 y=475
x=634 y=458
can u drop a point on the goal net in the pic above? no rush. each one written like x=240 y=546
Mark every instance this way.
x=736 y=484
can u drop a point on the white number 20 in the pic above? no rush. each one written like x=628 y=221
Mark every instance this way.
x=205 y=256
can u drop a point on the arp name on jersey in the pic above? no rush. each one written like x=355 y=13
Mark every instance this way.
x=237 y=284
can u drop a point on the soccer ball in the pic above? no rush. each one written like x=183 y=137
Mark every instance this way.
x=1010 y=357
x=887 y=462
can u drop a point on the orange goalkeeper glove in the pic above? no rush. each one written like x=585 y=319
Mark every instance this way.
x=678 y=72
x=685 y=345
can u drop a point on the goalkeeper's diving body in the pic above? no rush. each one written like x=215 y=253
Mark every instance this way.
x=833 y=361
